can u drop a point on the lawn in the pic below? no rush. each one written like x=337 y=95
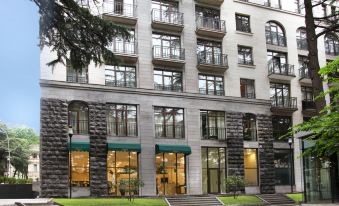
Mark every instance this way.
x=110 y=202
x=298 y=197
x=250 y=200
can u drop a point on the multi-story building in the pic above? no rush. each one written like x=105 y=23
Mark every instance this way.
x=34 y=164
x=204 y=90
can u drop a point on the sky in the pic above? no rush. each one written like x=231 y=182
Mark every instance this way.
x=19 y=64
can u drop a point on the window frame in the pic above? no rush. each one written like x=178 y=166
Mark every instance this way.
x=246 y=83
x=115 y=69
x=240 y=25
x=172 y=77
x=243 y=53
x=206 y=89
x=112 y=108
x=162 y=111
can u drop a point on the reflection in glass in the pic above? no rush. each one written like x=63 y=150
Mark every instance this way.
x=80 y=168
x=282 y=164
x=251 y=167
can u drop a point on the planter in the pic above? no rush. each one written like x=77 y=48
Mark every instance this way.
x=16 y=191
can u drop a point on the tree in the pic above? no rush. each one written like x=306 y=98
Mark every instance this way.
x=235 y=184
x=131 y=186
x=76 y=33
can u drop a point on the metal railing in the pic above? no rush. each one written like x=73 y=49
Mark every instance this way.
x=211 y=92
x=249 y=95
x=333 y=50
x=245 y=61
x=127 y=47
x=169 y=131
x=304 y=73
x=163 y=87
x=308 y=104
x=77 y=78
x=242 y=27
x=210 y=23
x=79 y=126
x=212 y=58
x=284 y=102
x=171 y=17
x=281 y=69
x=168 y=52
x=213 y=133
x=302 y=43
x=122 y=128
x=275 y=38
x=114 y=83
x=250 y=134
x=118 y=8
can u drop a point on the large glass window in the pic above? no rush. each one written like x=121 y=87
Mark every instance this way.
x=209 y=52
x=170 y=173
x=123 y=45
x=280 y=94
x=122 y=166
x=331 y=45
x=301 y=39
x=122 y=120
x=281 y=124
x=275 y=34
x=247 y=89
x=251 y=167
x=166 y=11
x=167 y=80
x=169 y=122
x=250 y=127
x=242 y=23
x=78 y=117
x=80 y=168
x=303 y=69
x=277 y=63
x=245 y=55
x=213 y=169
x=213 y=125
x=166 y=46
x=208 y=18
x=283 y=164
x=120 y=76
x=212 y=85
x=78 y=76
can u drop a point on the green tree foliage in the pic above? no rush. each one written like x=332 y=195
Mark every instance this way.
x=76 y=33
x=131 y=186
x=235 y=184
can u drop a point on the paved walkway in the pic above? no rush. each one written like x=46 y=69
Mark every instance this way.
x=10 y=202
x=322 y=204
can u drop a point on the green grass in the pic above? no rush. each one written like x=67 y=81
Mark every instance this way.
x=229 y=200
x=110 y=202
x=298 y=197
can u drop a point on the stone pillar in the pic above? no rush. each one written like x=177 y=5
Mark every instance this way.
x=266 y=154
x=235 y=143
x=98 y=149
x=53 y=147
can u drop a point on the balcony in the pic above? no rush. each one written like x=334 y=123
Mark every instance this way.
x=332 y=52
x=77 y=78
x=171 y=88
x=169 y=131
x=304 y=75
x=168 y=56
x=119 y=12
x=80 y=127
x=279 y=71
x=216 y=3
x=283 y=104
x=275 y=38
x=211 y=92
x=212 y=62
x=213 y=133
x=167 y=20
x=126 y=51
x=114 y=83
x=309 y=108
x=122 y=129
x=210 y=27
x=302 y=44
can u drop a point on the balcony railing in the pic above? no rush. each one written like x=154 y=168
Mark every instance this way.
x=170 y=17
x=280 y=69
x=169 y=131
x=211 y=92
x=165 y=52
x=275 y=38
x=332 y=50
x=118 y=8
x=173 y=88
x=302 y=43
x=114 y=83
x=308 y=105
x=126 y=47
x=79 y=126
x=77 y=78
x=211 y=23
x=213 y=58
x=245 y=61
x=304 y=73
x=122 y=128
x=250 y=134
x=284 y=102
x=213 y=133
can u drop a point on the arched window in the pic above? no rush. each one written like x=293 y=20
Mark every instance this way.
x=331 y=45
x=275 y=34
x=250 y=127
x=301 y=39
x=78 y=117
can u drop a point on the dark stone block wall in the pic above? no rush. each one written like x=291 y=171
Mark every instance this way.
x=53 y=146
x=235 y=143
x=98 y=149
x=266 y=154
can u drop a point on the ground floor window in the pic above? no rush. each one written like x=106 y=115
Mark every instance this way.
x=213 y=169
x=283 y=165
x=80 y=168
x=251 y=167
x=170 y=173
x=122 y=167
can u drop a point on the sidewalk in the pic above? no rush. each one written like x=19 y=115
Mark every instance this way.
x=11 y=202
x=321 y=204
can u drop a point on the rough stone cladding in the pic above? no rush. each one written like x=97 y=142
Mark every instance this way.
x=266 y=154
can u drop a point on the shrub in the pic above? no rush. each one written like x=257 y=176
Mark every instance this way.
x=234 y=184
x=12 y=180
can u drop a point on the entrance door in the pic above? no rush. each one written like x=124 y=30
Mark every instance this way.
x=213 y=181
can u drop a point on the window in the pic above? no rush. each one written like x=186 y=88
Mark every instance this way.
x=122 y=166
x=119 y=7
x=35 y=168
x=209 y=18
x=275 y=34
x=243 y=23
x=281 y=124
x=213 y=85
x=307 y=98
x=80 y=168
x=34 y=155
x=78 y=117
x=169 y=122
x=120 y=76
x=277 y=63
x=273 y=3
x=167 y=80
x=77 y=76
x=209 y=52
x=250 y=127
x=122 y=120
x=303 y=69
x=213 y=125
x=283 y=164
x=301 y=39
x=166 y=11
x=331 y=45
x=245 y=55
x=280 y=93
x=247 y=89
x=251 y=167
x=166 y=46
x=124 y=45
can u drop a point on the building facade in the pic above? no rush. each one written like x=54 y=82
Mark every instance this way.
x=204 y=89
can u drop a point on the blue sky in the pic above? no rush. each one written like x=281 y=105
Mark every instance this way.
x=19 y=63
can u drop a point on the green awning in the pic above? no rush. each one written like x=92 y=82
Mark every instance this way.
x=79 y=146
x=166 y=148
x=124 y=147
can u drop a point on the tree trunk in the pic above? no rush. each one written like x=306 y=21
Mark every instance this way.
x=313 y=60
x=14 y=173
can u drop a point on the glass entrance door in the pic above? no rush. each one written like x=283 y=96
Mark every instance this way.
x=213 y=181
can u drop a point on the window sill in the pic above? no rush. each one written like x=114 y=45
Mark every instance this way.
x=115 y=136
x=244 y=33
x=247 y=66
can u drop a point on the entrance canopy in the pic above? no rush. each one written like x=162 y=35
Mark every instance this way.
x=79 y=146
x=124 y=147
x=167 y=148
